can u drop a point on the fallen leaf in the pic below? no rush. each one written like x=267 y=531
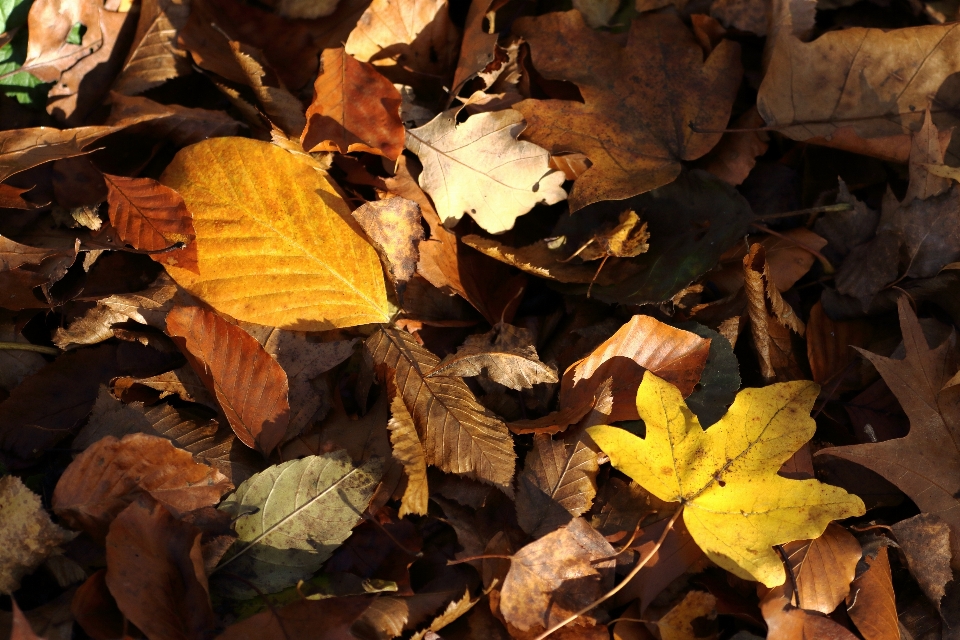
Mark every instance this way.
x=871 y=603
x=327 y=619
x=693 y=617
x=408 y=451
x=179 y=124
x=290 y=518
x=182 y=382
x=11 y=198
x=557 y=484
x=922 y=464
x=95 y=609
x=736 y=523
x=328 y=276
x=28 y=536
x=21 y=629
x=823 y=568
x=627 y=239
x=393 y=227
x=555 y=576
x=412 y=34
x=155 y=572
x=250 y=386
x=459 y=435
x=927 y=147
x=454 y=611
x=736 y=154
x=354 y=108
x=505 y=354
x=791 y=623
x=151 y=217
x=480 y=168
x=155 y=57
x=925 y=540
x=50 y=52
x=112 y=473
x=281 y=107
x=676 y=95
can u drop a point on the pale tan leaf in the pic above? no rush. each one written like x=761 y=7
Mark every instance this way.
x=49 y=23
x=409 y=452
x=273 y=245
x=454 y=611
x=459 y=435
x=479 y=167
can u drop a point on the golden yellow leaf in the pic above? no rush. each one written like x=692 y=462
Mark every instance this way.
x=273 y=241
x=736 y=507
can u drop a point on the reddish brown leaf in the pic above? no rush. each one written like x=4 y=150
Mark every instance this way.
x=787 y=622
x=327 y=619
x=21 y=626
x=354 y=108
x=150 y=216
x=10 y=198
x=96 y=610
x=112 y=473
x=155 y=572
x=250 y=386
x=871 y=602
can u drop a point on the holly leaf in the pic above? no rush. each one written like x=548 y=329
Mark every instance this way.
x=735 y=505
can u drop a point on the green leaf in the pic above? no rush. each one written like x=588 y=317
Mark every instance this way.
x=13 y=14
x=25 y=88
x=289 y=520
x=76 y=33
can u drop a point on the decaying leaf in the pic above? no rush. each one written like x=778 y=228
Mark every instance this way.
x=734 y=505
x=505 y=354
x=299 y=264
x=249 y=385
x=771 y=319
x=674 y=96
x=112 y=473
x=393 y=226
x=409 y=452
x=459 y=435
x=480 y=168
x=926 y=542
x=291 y=517
x=28 y=536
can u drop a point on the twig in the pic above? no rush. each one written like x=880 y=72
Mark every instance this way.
x=623 y=583
x=485 y=556
x=26 y=346
x=827 y=208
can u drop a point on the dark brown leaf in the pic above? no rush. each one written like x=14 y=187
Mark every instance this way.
x=925 y=540
x=327 y=619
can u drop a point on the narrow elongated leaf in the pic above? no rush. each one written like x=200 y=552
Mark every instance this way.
x=409 y=452
x=250 y=386
x=273 y=244
x=291 y=518
x=150 y=216
x=459 y=434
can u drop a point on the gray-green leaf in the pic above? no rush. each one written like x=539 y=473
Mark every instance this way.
x=290 y=519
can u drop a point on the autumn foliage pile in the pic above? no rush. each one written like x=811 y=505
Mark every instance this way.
x=448 y=319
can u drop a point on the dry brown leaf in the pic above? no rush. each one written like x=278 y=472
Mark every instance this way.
x=557 y=484
x=480 y=168
x=281 y=107
x=871 y=603
x=553 y=577
x=540 y=260
x=634 y=126
x=925 y=540
x=459 y=435
x=736 y=154
x=28 y=536
x=627 y=239
x=505 y=354
x=250 y=386
x=393 y=227
x=155 y=572
x=155 y=56
x=181 y=125
x=49 y=23
x=927 y=146
x=791 y=623
x=354 y=108
x=409 y=452
x=152 y=217
x=455 y=610
x=771 y=319
x=693 y=617
x=112 y=473
x=182 y=382
x=823 y=568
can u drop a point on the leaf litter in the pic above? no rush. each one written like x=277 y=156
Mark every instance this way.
x=471 y=319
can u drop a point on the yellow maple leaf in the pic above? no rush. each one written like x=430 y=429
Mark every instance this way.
x=274 y=242
x=735 y=505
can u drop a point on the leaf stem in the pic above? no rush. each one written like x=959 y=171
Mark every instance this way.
x=26 y=346
x=827 y=208
x=623 y=583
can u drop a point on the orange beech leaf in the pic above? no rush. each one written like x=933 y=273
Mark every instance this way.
x=21 y=626
x=155 y=572
x=354 y=108
x=871 y=602
x=250 y=386
x=823 y=568
x=109 y=475
x=95 y=610
x=150 y=216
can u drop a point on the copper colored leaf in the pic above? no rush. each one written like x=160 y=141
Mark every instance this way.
x=149 y=216
x=393 y=226
x=354 y=108
x=557 y=484
x=112 y=473
x=455 y=610
x=925 y=464
x=871 y=602
x=409 y=452
x=250 y=386
x=155 y=573
x=823 y=568
x=505 y=354
x=459 y=435
x=553 y=577
x=291 y=517
x=11 y=198
x=50 y=22
x=28 y=536
x=791 y=623
x=96 y=610
x=155 y=56
x=273 y=245
x=635 y=125
x=326 y=619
